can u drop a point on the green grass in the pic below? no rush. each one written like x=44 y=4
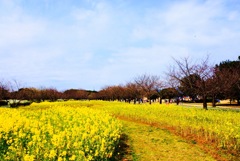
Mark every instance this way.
x=146 y=142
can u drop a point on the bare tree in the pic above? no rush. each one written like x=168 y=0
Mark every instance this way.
x=148 y=84
x=15 y=96
x=51 y=94
x=132 y=92
x=112 y=93
x=93 y=95
x=31 y=94
x=4 y=91
x=193 y=77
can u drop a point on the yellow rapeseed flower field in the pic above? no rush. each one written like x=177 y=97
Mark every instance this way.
x=57 y=131
x=221 y=127
x=86 y=130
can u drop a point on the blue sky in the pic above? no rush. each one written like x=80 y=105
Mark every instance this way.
x=89 y=44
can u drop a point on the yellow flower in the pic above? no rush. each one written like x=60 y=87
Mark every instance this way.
x=48 y=127
x=64 y=153
x=52 y=154
x=73 y=157
x=29 y=157
x=60 y=159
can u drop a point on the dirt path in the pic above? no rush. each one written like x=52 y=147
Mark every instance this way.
x=147 y=143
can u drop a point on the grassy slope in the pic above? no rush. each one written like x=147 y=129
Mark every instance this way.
x=151 y=143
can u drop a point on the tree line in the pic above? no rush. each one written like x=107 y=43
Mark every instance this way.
x=194 y=79
x=199 y=80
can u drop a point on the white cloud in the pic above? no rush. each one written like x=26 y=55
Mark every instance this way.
x=134 y=61
x=105 y=43
x=19 y=33
x=94 y=20
x=185 y=23
x=199 y=27
x=18 y=29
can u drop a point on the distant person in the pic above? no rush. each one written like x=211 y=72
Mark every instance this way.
x=166 y=101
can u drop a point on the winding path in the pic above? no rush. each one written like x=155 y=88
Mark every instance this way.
x=149 y=143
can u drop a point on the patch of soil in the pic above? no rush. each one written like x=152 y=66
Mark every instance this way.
x=122 y=150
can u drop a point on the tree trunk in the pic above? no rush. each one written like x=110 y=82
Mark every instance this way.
x=213 y=101
x=160 y=100
x=177 y=101
x=205 y=103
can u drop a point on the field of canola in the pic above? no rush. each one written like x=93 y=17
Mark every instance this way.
x=216 y=127
x=57 y=131
x=86 y=130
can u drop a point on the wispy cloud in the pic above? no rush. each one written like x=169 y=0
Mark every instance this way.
x=92 y=43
